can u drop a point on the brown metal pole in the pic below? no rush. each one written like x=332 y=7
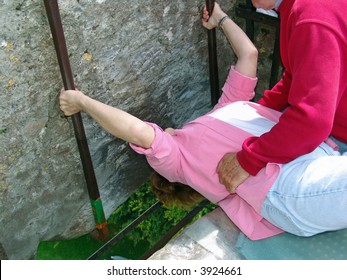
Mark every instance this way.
x=212 y=55
x=249 y=22
x=54 y=19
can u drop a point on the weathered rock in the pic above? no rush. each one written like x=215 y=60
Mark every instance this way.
x=3 y=255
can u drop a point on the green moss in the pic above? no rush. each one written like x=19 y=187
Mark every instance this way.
x=3 y=130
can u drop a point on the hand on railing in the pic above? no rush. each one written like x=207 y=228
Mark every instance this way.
x=212 y=21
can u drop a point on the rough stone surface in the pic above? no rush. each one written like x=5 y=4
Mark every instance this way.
x=3 y=255
x=149 y=58
x=212 y=237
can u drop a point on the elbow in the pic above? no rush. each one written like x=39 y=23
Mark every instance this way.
x=252 y=54
x=252 y=60
x=248 y=62
x=142 y=135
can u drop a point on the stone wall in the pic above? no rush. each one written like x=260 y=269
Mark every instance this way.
x=147 y=57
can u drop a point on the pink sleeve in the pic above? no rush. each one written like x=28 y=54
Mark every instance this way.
x=237 y=87
x=163 y=155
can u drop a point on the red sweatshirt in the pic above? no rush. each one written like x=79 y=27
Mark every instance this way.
x=313 y=89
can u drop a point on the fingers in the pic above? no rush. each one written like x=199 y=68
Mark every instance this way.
x=205 y=18
x=230 y=173
x=68 y=102
x=205 y=15
x=170 y=130
x=211 y=21
x=226 y=167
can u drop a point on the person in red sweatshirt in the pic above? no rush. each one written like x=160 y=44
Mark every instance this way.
x=312 y=92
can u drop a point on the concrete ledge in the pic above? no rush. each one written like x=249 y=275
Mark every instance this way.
x=213 y=237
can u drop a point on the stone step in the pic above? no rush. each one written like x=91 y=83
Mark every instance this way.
x=212 y=237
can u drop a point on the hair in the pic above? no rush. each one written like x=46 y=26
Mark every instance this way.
x=174 y=194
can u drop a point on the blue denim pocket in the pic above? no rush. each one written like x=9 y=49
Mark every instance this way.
x=280 y=219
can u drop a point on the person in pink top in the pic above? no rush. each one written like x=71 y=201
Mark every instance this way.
x=312 y=93
x=191 y=155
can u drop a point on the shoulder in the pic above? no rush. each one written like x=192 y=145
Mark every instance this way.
x=322 y=11
x=329 y=15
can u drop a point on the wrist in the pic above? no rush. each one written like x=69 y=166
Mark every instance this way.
x=222 y=20
x=82 y=101
x=220 y=15
x=216 y=18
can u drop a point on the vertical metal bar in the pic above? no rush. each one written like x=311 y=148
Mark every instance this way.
x=54 y=19
x=249 y=22
x=212 y=54
x=125 y=231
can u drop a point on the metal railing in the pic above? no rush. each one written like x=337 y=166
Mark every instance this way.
x=161 y=242
x=249 y=13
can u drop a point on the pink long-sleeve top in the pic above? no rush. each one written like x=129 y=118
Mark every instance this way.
x=191 y=155
x=313 y=90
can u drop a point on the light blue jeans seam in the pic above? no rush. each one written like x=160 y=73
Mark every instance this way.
x=280 y=219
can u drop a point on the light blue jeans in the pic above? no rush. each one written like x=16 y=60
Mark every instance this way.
x=310 y=194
